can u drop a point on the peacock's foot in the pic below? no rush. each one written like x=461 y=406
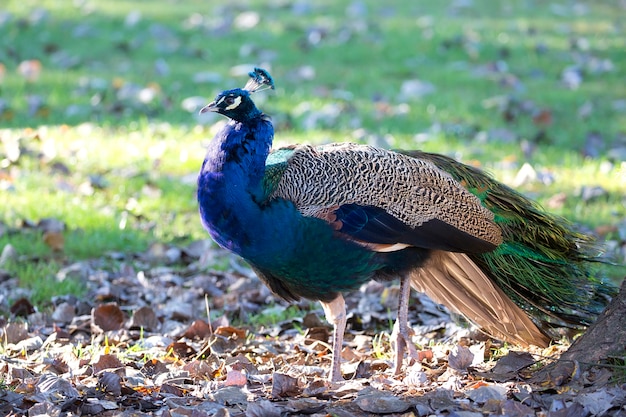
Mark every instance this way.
x=401 y=339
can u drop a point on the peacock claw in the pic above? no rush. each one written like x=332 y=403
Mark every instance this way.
x=401 y=339
x=335 y=377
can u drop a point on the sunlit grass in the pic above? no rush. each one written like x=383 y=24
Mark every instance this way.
x=40 y=278
x=146 y=157
x=272 y=315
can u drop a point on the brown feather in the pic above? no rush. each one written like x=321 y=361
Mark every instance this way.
x=454 y=280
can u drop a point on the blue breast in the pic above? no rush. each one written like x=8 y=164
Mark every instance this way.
x=303 y=253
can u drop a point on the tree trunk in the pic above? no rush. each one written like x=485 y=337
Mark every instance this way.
x=603 y=339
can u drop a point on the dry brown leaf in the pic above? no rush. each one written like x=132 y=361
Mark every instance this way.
x=235 y=378
x=106 y=361
x=64 y=313
x=284 y=385
x=145 y=318
x=305 y=406
x=153 y=367
x=516 y=409
x=15 y=332
x=487 y=393
x=199 y=329
x=228 y=331
x=543 y=118
x=460 y=358
x=513 y=362
x=111 y=383
x=375 y=401
x=172 y=389
x=53 y=386
x=264 y=408
x=181 y=350
x=199 y=369
x=22 y=308
x=317 y=333
x=107 y=317
x=316 y=388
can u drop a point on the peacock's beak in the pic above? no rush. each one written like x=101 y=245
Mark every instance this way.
x=212 y=106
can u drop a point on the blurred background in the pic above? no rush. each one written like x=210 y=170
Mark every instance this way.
x=101 y=139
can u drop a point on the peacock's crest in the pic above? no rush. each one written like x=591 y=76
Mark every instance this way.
x=259 y=80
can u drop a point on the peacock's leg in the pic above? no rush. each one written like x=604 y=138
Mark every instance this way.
x=401 y=336
x=336 y=314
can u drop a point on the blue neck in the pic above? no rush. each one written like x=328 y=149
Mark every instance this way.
x=230 y=182
x=241 y=147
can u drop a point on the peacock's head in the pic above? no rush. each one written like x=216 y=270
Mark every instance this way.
x=237 y=104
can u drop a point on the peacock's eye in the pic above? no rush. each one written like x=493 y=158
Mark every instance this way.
x=229 y=100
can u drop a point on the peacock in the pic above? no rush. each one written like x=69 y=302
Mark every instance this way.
x=319 y=221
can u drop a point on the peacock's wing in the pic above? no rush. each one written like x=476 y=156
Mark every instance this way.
x=381 y=199
x=388 y=201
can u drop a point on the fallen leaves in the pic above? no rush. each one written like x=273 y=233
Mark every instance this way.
x=380 y=402
x=54 y=240
x=104 y=362
x=284 y=386
x=144 y=318
x=130 y=356
x=138 y=340
x=22 y=308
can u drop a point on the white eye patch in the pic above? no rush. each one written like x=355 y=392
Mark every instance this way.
x=236 y=103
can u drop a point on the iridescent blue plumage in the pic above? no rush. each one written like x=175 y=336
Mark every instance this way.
x=315 y=222
x=236 y=210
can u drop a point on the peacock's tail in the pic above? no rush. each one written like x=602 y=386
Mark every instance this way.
x=544 y=265
x=454 y=280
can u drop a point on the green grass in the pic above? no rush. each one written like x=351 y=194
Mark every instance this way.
x=145 y=153
x=40 y=278
x=272 y=315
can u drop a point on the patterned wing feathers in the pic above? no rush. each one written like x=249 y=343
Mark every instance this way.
x=412 y=190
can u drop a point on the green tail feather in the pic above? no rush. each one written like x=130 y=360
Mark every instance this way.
x=544 y=265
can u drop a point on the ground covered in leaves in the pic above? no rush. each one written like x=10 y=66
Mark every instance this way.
x=138 y=345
